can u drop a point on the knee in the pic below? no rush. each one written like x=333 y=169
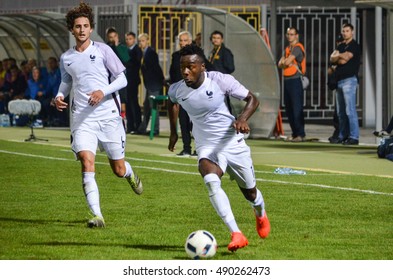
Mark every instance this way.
x=119 y=170
x=87 y=164
x=213 y=183
x=250 y=194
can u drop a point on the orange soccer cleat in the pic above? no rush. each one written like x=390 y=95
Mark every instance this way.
x=238 y=240
x=263 y=225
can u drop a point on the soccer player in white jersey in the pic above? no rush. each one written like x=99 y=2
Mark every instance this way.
x=218 y=137
x=95 y=73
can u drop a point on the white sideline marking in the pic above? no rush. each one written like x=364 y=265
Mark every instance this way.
x=324 y=186
x=149 y=160
x=196 y=173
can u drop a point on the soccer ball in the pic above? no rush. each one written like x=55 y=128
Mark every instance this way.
x=201 y=244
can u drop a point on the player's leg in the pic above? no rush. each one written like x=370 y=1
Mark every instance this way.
x=90 y=188
x=255 y=198
x=240 y=168
x=112 y=139
x=212 y=174
x=122 y=168
x=84 y=144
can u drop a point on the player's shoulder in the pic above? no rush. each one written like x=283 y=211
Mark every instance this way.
x=67 y=55
x=102 y=47
x=68 y=52
x=215 y=75
x=175 y=87
x=219 y=77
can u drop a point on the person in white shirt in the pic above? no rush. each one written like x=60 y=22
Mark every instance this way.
x=95 y=74
x=219 y=137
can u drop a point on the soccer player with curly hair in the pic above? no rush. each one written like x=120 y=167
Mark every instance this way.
x=95 y=74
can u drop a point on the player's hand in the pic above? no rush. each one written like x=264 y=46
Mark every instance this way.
x=241 y=126
x=172 y=141
x=95 y=97
x=60 y=104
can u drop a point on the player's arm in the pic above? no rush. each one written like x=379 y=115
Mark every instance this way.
x=64 y=90
x=173 y=113
x=252 y=104
x=116 y=68
x=118 y=83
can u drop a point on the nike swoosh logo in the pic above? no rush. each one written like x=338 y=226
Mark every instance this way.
x=68 y=64
x=184 y=99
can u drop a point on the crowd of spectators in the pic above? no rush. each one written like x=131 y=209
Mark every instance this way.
x=29 y=81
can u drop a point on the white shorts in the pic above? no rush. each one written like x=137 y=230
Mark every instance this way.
x=108 y=135
x=235 y=158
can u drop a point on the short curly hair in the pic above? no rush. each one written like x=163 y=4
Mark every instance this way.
x=191 y=50
x=83 y=10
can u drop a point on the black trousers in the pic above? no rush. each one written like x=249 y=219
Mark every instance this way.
x=147 y=106
x=185 y=128
x=133 y=110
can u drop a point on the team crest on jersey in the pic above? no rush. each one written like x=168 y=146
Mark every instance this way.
x=209 y=94
x=92 y=58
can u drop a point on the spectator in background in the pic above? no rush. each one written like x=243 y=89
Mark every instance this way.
x=14 y=88
x=31 y=63
x=2 y=75
x=8 y=63
x=153 y=79
x=2 y=94
x=293 y=63
x=121 y=51
x=133 y=67
x=198 y=39
x=16 y=84
x=221 y=58
x=332 y=85
x=54 y=77
x=25 y=70
x=55 y=117
x=36 y=89
x=5 y=75
x=185 y=38
x=347 y=58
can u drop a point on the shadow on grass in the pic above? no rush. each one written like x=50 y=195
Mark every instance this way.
x=41 y=221
x=149 y=247
x=178 y=249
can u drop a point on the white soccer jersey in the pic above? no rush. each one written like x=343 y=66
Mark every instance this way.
x=88 y=71
x=211 y=119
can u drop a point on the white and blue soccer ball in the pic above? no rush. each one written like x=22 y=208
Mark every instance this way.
x=201 y=244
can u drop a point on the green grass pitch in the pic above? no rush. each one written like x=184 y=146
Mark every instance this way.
x=342 y=209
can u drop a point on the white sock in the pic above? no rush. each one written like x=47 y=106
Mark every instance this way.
x=129 y=171
x=258 y=204
x=92 y=194
x=220 y=201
